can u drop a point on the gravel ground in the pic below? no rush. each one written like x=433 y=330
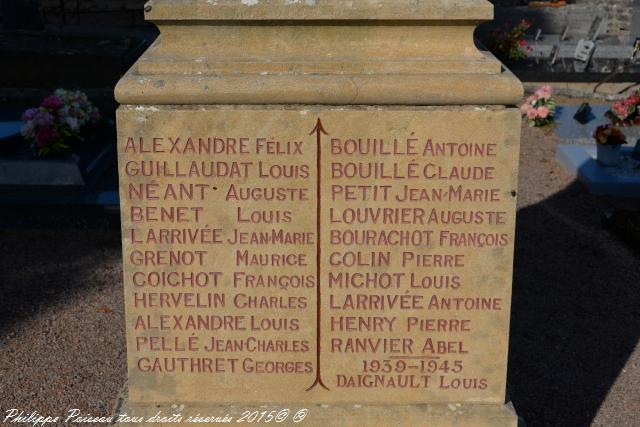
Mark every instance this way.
x=62 y=342
x=574 y=357
x=574 y=351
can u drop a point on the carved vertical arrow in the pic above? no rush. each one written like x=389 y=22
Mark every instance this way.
x=319 y=131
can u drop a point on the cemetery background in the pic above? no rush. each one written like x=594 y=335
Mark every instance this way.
x=574 y=356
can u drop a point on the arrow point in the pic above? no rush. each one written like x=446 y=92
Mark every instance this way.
x=319 y=128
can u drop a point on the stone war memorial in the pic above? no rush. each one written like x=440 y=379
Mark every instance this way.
x=318 y=213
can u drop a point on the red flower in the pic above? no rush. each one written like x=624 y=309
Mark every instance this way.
x=609 y=135
x=46 y=136
x=52 y=102
x=523 y=43
x=634 y=99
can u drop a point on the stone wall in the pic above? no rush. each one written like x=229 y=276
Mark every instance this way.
x=88 y=12
x=619 y=11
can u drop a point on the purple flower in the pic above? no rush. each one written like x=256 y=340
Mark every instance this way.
x=30 y=114
x=43 y=118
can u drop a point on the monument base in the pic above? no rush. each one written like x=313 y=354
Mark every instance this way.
x=320 y=415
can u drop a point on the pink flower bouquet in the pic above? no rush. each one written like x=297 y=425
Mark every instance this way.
x=58 y=120
x=627 y=111
x=539 y=109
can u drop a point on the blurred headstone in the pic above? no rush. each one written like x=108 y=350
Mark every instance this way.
x=635 y=20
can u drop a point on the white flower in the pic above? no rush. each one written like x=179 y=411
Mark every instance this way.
x=61 y=93
x=28 y=130
x=72 y=122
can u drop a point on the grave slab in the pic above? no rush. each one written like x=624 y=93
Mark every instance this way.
x=9 y=129
x=29 y=173
x=619 y=181
x=577 y=133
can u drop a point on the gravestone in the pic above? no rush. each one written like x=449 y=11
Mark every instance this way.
x=622 y=180
x=318 y=209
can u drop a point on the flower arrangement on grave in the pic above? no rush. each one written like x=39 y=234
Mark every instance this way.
x=626 y=112
x=508 y=42
x=609 y=139
x=609 y=135
x=539 y=109
x=58 y=121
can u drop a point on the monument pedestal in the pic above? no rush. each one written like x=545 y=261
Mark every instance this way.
x=318 y=208
x=322 y=415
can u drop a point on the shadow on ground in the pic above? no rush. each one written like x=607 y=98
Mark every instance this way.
x=49 y=254
x=575 y=316
x=576 y=308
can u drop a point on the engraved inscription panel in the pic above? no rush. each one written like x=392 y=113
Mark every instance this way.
x=317 y=255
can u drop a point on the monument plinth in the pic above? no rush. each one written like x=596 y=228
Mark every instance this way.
x=318 y=212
